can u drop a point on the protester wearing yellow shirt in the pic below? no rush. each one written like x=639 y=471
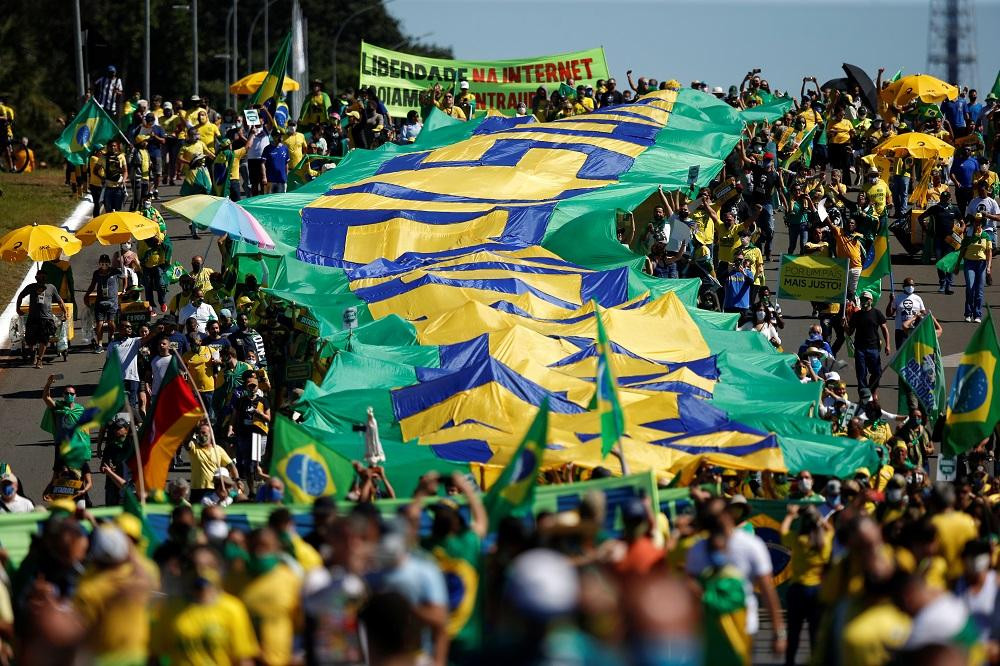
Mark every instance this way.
x=847 y=243
x=202 y=364
x=809 y=116
x=191 y=149
x=207 y=625
x=208 y=133
x=296 y=143
x=810 y=547
x=206 y=459
x=954 y=528
x=449 y=108
x=878 y=193
x=113 y=600
x=272 y=597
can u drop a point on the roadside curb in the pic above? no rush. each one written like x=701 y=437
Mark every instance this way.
x=76 y=219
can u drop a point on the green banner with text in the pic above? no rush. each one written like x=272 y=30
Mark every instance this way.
x=499 y=84
x=812 y=278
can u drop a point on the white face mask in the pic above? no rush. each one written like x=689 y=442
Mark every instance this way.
x=759 y=315
x=908 y=289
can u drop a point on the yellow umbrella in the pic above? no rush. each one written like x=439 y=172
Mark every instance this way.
x=924 y=87
x=117 y=227
x=38 y=242
x=248 y=84
x=917 y=145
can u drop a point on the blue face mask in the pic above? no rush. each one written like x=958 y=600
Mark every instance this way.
x=833 y=501
x=274 y=495
x=8 y=490
x=816 y=364
x=717 y=558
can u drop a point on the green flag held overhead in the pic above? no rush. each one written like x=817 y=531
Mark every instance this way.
x=108 y=400
x=566 y=91
x=308 y=468
x=973 y=405
x=131 y=505
x=996 y=86
x=605 y=398
x=270 y=88
x=897 y=75
x=877 y=264
x=804 y=151
x=91 y=126
x=918 y=364
x=515 y=489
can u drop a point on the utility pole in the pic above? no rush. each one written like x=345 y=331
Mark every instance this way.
x=194 y=41
x=78 y=50
x=145 y=80
x=267 y=35
x=236 y=48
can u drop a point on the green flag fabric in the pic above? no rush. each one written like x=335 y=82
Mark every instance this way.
x=996 y=86
x=973 y=406
x=132 y=505
x=918 y=364
x=308 y=468
x=605 y=399
x=108 y=400
x=803 y=151
x=270 y=87
x=898 y=75
x=515 y=489
x=877 y=264
x=91 y=126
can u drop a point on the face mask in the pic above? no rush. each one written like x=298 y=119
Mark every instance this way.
x=978 y=564
x=805 y=485
x=195 y=268
x=816 y=364
x=717 y=559
x=274 y=495
x=202 y=439
x=261 y=564
x=833 y=500
x=908 y=289
x=918 y=421
x=759 y=315
x=70 y=398
x=8 y=490
x=895 y=496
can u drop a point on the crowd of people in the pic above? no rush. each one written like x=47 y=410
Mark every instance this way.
x=884 y=565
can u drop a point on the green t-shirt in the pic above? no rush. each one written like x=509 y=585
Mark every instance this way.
x=460 y=556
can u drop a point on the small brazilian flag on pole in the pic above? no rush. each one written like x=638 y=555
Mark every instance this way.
x=803 y=151
x=91 y=126
x=973 y=408
x=605 y=398
x=108 y=400
x=515 y=489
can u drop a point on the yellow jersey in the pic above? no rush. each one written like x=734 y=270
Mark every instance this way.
x=878 y=196
x=208 y=133
x=296 y=148
x=839 y=133
x=192 y=634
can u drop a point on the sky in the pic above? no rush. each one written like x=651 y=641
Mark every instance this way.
x=715 y=41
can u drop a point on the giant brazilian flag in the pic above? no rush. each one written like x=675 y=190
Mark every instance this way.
x=474 y=261
x=973 y=405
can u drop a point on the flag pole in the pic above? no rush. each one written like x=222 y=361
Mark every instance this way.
x=617 y=452
x=138 y=456
x=197 y=394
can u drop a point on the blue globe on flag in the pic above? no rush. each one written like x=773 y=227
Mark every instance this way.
x=973 y=388
x=308 y=474
x=83 y=135
x=524 y=467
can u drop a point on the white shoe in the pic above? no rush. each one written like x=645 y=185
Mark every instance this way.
x=968 y=319
x=978 y=320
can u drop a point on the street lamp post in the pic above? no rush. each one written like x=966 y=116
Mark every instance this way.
x=193 y=8
x=145 y=80
x=336 y=37
x=253 y=24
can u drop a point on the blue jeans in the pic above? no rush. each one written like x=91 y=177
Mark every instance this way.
x=132 y=391
x=765 y=223
x=798 y=234
x=975 y=284
x=868 y=366
x=207 y=397
x=114 y=199
x=940 y=250
x=899 y=186
x=803 y=606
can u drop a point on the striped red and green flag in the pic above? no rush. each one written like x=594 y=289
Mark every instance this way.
x=176 y=411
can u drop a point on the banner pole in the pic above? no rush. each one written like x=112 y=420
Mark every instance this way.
x=197 y=394
x=141 y=477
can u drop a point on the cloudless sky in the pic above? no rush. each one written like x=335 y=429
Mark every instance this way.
x=716 y=41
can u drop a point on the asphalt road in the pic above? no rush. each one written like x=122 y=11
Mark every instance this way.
x=29 y=450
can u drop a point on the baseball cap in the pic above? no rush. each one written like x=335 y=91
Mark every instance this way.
x=224 y=312
x=8 y=476
x=867 y=294
x=717 y=90
x=221 y=473
x=243 y=300
x=112 y=69
x=464 y=85
x=109 y=545
x=832 y=377
x=195 y=98
x=542 y=583
x=168 y=105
